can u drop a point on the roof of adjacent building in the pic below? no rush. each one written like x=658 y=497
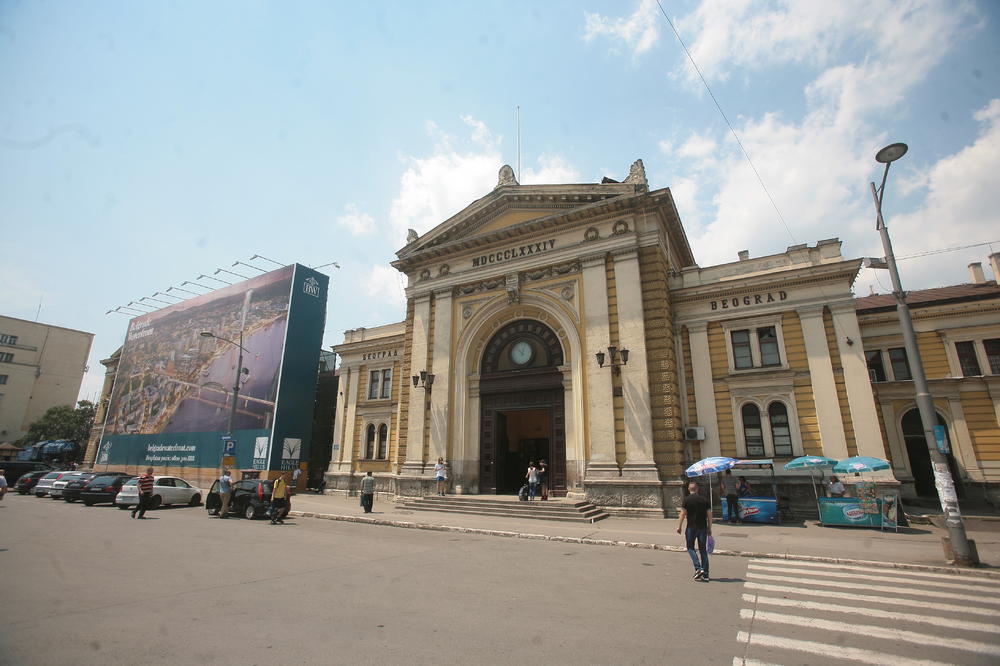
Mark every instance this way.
x=929 y=297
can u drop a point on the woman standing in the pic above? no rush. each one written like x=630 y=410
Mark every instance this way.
x=440 y=471
x=543 y=478
x=532 y=477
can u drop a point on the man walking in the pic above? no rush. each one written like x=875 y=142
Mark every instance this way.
x=279 y=495
x=225 y=492
x=145 y=484
x=367 y=492
x=697 y=512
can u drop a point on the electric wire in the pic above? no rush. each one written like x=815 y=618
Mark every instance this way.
x=718 y=106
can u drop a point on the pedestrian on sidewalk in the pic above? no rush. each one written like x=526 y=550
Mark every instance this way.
x=295 y=477
x=697 y=512
x=441 y=475
x=279 y=496
x=367 y=492
x=728 y=489
x=744 y=488
x=3 y=483
x=225 y=492
x=145 y=485
x=543 y=478
x=532 y=477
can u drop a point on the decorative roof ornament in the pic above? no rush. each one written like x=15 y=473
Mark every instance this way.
x=637 y=174
x=507 y=176
x=411 y=235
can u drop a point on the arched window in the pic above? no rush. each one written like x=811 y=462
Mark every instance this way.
x=383 y=442
x=781 y=434
x=369 y=442
x=753 y=435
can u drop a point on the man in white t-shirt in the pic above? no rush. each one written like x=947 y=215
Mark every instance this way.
x=836 y=487
x=440 y=475
x=225 y=492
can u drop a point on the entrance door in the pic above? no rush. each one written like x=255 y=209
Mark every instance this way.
x=518 y=428
x=920 y=457
x=522 y=436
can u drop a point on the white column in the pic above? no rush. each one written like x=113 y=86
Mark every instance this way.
x=418 y=396
x=347 y=379
x=601 y=461
x=440 y=393
x=704 y=388
x=860 y=397
x=635 y=375
x=824 y=387
x=961 y=444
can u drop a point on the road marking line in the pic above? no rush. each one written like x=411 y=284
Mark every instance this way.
x=876 y=588
x=881 y=570
x=861 y=576
x=828 y=651
x=741 y=661
x=856 y=598
x=875 y=612
x=879 y=633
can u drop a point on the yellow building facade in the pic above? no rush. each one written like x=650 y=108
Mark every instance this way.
x=571 y=323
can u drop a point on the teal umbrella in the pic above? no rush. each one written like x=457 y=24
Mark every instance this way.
x=809 y=462
x=860 y=464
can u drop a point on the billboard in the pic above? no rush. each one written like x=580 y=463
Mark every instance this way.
x=172 y=399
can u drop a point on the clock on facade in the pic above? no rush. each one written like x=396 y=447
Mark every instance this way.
x=521 y=353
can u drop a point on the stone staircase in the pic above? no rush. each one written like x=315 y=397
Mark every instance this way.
x=491 y=505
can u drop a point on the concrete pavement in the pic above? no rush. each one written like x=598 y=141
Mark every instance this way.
x=918 y=546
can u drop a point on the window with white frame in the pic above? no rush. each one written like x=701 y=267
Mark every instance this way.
x=900 y=364
x=376 y=446
x=387 y=383
x=977 y=356
x=379 y=384
x=755 y=344
x=768 y=431
x=3 y=379
x=8 y=339
x=6 y=357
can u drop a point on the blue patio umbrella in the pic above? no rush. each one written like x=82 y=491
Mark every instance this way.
x=711 y=466
x=860 y=464
x=810 y=462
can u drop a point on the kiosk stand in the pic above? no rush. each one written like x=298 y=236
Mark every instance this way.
x=757 y=509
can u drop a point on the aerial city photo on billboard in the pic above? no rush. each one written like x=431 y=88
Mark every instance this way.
x=172 y=398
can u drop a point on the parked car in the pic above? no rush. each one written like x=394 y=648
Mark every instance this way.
x=251 y=498
x=44 y=484
x=74 y=488
x=15 y=469
x=56 y=491
x=167 y=490
x=27 y=481
x=103 y=488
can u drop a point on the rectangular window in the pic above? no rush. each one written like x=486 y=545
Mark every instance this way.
x=967 y=358
x=768 y=339
x=742 y=356
x=900 y=366
x=6 y=357
x=3 y=379
x=876 y=369
x=8 y=339
x=993 y=355
x=373 y=384
x=387 y=383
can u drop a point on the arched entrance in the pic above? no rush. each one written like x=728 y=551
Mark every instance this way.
x=522 y=407
x=920 y=456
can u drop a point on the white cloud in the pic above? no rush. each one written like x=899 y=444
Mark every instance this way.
x=383 y=284
x=355 y=221
x=697 y=146
x=458 y=172
x=639 y=31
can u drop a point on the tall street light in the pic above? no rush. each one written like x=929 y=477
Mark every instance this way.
x=236 y=381
x=964 y=553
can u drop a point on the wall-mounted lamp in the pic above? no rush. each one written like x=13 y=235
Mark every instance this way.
x=849 y=340
x=613 y=355
x=424 y=380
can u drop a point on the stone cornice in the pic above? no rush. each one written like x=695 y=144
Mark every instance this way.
x=796 y=276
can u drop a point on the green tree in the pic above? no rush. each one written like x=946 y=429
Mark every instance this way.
x=63 y=422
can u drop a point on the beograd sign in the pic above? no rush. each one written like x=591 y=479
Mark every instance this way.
x=755 y=299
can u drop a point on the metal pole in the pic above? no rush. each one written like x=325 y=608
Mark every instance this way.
x=925 y=404
x=236 y=387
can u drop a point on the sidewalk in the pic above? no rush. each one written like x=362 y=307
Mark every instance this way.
x=918 y=546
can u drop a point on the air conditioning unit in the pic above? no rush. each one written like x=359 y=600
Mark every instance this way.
x=694 y=433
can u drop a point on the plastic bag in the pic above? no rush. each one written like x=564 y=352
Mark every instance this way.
x=710 y=546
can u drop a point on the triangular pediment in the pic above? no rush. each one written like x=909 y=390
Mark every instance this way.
x=511 y=204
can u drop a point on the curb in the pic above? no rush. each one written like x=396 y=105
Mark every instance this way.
x=645 y=546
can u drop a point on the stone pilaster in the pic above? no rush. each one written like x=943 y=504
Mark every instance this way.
x=414 y=464
x=864 y=416
x=601 y=461
x=441 y=391
x=831 y=427
x=704 y=388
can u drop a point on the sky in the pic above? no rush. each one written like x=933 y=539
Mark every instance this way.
x=143 y=144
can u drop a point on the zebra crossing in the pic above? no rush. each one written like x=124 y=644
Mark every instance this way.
x=796 y=612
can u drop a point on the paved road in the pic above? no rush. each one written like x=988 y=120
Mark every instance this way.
x=88 y=585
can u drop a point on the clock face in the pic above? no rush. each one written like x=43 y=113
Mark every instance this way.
x=521 y=353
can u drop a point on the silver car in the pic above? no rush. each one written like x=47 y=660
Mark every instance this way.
x=45 y=483
x=166 y=490
x=55 y=491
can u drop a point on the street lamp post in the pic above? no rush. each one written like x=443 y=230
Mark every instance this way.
x=964 y=553
x=236 y=381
